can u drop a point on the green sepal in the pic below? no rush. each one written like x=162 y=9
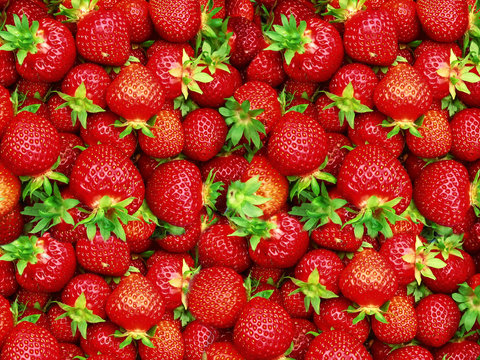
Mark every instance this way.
x=418 y=291
x=185 y=106
x=78 y=10
x=24 y=250
x=242 y=200
x=345 y=11
x=130 y=336
x=376 y=312
x=475 y=194
x=257 y=229
x=468 y=301
x=452 y=105
x=182 y=314
x=210 y=192
x=21 y=37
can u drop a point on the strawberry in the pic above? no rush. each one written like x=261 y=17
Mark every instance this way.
x=216 y=296
x=438 y=319
x=167 y=341
x=136 y=305
x=176 y=21
x=8 y=71
x=465 y=127
x=6 y=110
x=222 y=349
x=44 y=264
x=336 y=152
x=267 y=66
x=458 y=350
x=404 y=14
x=10 y=190
x=70 y=351
x=61 y=326
x=336 y=345
x=264 y=330
x=8 y=282
x=136 y=13
x=46 y=48
x=30 y=341
x=246 y=42
x=293 y=300
x=6 y=320
x=105 y=45
x=443 y=21
x=35 y=10
x=328 y=115
x=198 y=337
x=11 y=225
x=302 y=337
x=301 y=10
x=371 y=187
x=205 y=133
x=178 y=240
x=334 y=316
x=410 y=352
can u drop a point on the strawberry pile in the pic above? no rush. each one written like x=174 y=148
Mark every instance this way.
x=239 y=179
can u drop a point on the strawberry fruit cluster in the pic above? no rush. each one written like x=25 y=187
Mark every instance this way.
x=239 y=179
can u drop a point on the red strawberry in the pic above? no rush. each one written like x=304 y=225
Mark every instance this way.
x=216 y=296
x=8 y=72
x=198 y=337
x=61 y=326
x=6 y=109
x=465 y=127
x=246 y=42
x=9 y=191
x=404 y=14
x=8 y=282
x=336 y=345
x=222 y=349
x=178 y=240
x=6 y=320
x=136 y=13
x=267 y=67
x=70 y=351
x=264 y=330
x=167 y=341
x=410 y=352
x=68 y=152
x=458 y=350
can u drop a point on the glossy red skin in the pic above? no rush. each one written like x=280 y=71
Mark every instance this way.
x=438 y=319
x=61 y=328
x=441 y=192
x=428 y=62
x=8 y=71
x=465 y=134
x=93 y=254
x=55 y=266
x=95 y=79
x=333 y=314
x=162 y=271
x=216 y=296
x=176 y=21
x=205 y=133
x=167 y=341
x=100 y=129
x=8 y=282
x=368 y=280
x=409 y=352
x=29 y=146
x=297 y=145
x=136 y=304
x=223 y=349
x=322 y=56
x=6 y=322
x=393 y=250
x=136 y=94
x=30 y=341
x=33 y=9
x=138 y=233
x=287 y=243
x=103 y=170
x=69 y=351
x=328 y=265
x=436 y=140
x=246 y=41
x=368 y=129
x=136 y=12
x=54 y=57
x=174 y=192
x=223 y=85
x=382 y=176
x=10 y=191
x=456 y=271
x=104 y=32
x=100 y=340
x=294 y=304
x=6 y=109
x=68 y=152
x=165 y=58
x=94 y=288
x=264 y=330
x=267 y=66
x=298 y=88
x=198 y=337
x=336 y=345
x=263 y=274
x=30 y=298
x=403 y=94
x=217 y=247
x=184 y=242
x=404 y=14
x=462 y=350
x=443 y=21
x=362 y=78
x=301 y=339
x=371 y=32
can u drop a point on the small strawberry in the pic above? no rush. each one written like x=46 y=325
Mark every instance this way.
x=336 y=345
x=167 y=343
x=198 y=337
x=404 y=14
x=136 y=13
x=410 y=352
x=6 y=320
x=6 y=109
x=465 y=127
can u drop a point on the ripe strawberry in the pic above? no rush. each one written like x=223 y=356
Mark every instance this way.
x=136 y=305
x=35 y=10
x=216 y=296
x=297 y=145
x=404 y=14
x=30 y=341
x=334 y=315
x=458 y=350
x=70 y=351
x=9 y=190
x=410 y=352
x=105 y=256
x=336 y=152
x=51 y=37
x=167 y=341
x=465 y=127
x=68 y=152
x=222 y=350
x=246 y=42
x=267 y=67
x=8 y=282
x=198 y=337
x=105 y=45
x=11 y=225
x=328 y=116
x=30 y=145
x=6 y=109
x=443 y=21
x=336 y=345
x=136 y=13
x=44 y=264
x=264 y=330
x=176 y=21
x=179 y=240
x=61 y=326
x=6 y=320
x=441 y=192
x=205 y=134
x=293 y=300
x=8 y=71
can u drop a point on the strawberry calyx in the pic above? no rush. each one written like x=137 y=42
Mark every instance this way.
x=24 y=250
x=17 y=101
x=449 y=245
x=251 y=285
x=21 y=37
x=374 y=311
x=468 y=301
x=313 y=290
x=184 y=105
x=142 y=336
x=210 y=192
x=475 y=194
x=452 y=105
x=137 y=124
x=217 y=59
x=418 y=291
x=80 y=315
x=285 y=99
x=50 y=211
x=411 y=126
x=242 y=200
x=472 y=35
x=289 y=37
x=255 y=228
x=307 y=186
x=347 y=104
x=348 y=8
x=212 y=29
x=182 y=314
x=376 y=216
x=242 y=122
x=107 y=216
x=79 y=9
x=320 y=211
